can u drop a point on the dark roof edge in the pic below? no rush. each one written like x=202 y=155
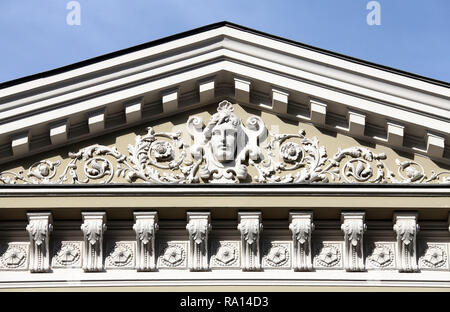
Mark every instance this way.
x=206 y=28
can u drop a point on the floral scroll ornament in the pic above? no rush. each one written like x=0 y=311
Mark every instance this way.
x=222 y=151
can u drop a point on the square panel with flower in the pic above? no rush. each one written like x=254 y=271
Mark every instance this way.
x=276 y=255
x=172 y=254
x=225 y=254
x=327 y=255
x=433 y=256
x=120 y=255
x=67 y=254
x=14 y=256
x=380 y=255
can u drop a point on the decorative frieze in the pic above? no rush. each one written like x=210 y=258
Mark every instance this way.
x=222 y=152
x=406 y=228
x=145 y=226
x=39 y=228
x=93 y=227
x=353 y=227
x=250 y=227
x=301 y=226
x=198 y=228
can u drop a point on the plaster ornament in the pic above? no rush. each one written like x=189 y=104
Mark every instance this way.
x=93 y=227
x=381 y=256
x=225 y=143
x=39 y=228
x=145 y=226
x=121 y=256
x=301 y=227
x=353 y=227
x=406 y=228
x=277 y=256
x=174 y=255
x=226 y=255
x=198 y=227
x=15 y=257
x=250 y=227
x=68 y=255
x=221 y=152
x=328 y=256
x=435 y=257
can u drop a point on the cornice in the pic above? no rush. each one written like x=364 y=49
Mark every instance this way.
x=330 y=189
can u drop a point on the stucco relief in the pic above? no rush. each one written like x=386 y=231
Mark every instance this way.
x=223 y=151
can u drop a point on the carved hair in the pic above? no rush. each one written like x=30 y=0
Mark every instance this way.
x=224 y=115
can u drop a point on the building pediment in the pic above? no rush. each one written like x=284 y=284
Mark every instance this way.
x=224 y=62
x=224 y=150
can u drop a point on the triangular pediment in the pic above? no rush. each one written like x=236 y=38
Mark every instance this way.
x=180 y=75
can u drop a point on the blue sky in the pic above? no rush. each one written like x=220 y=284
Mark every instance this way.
x=414 y=35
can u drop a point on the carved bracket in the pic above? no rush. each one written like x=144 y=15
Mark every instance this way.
x=406 y=228
x=198 y=227
x=145 y=226
x=301 y=226
x=353 y=227
x=250 y=227
x=93 y=227
x=39 y=228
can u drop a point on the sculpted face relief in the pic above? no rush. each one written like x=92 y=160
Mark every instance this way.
x=223 y=142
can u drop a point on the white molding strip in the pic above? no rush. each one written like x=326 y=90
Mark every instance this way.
x=284 y=190
x=78 y=278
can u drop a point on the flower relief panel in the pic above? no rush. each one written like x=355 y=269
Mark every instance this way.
x=225 y=254
x=172 y=254
x=67 y=254
x=380 y=255
x=327 y=255
x=276 y=254
x=433 y=255
x=222 y=148
x=120 y=255
x=14 y=256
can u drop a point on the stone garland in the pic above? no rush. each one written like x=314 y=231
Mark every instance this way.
x=222 y=151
